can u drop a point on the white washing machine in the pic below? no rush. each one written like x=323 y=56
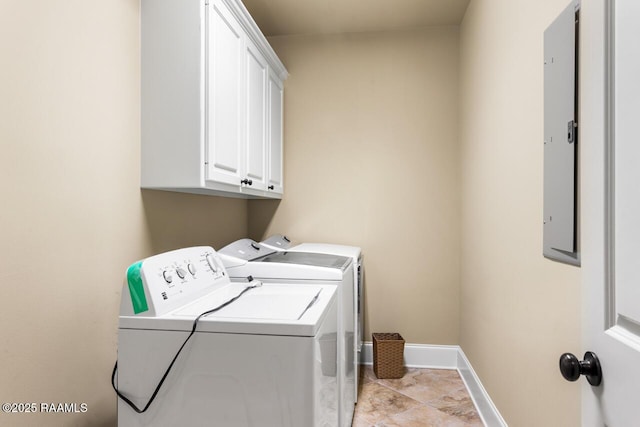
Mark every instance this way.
x=283 y=243
x=245 y=258
x=268 y=358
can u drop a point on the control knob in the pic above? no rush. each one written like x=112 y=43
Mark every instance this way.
x=167 y=276
x=192 y=269
x=212 y=263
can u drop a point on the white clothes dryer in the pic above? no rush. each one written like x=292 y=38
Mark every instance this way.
x=268 y=358
x=281 y=242
x=245 y=258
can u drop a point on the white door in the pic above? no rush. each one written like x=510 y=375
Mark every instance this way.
x=274 y=170
x=256 y=119
x=224 y=95
x=610 y=208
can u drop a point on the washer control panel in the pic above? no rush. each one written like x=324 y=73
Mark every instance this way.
x=164 y=282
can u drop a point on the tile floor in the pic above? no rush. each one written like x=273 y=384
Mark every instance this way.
x=423 y=397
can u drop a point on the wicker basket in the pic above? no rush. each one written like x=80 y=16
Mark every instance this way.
x=388 y=352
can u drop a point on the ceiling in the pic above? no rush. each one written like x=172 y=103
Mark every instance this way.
x=288 y=17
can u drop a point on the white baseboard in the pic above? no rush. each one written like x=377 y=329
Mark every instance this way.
x=420 y=356
x=447 y=357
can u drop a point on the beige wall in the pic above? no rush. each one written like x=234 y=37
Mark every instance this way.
x=519 y=311
x=371 y=159
x=72 y=216
x=372 y=124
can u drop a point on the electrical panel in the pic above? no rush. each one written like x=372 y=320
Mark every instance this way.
x=560 y=213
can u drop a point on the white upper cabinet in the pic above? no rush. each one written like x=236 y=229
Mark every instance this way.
x=210 y=83
x=274 y=156
x=256 y=119
x=224 y=95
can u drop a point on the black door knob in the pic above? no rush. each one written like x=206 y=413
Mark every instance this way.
x=271 y=187
x=571 y=368
x=246 y=181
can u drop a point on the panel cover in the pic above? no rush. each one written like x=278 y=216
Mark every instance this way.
x=560 y=137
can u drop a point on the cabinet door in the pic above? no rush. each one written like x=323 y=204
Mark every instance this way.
x=224 y=95
x=274 y=143
x=256 y=117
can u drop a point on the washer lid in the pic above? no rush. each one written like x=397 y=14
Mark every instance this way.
x=272 y=309
x=270 y=302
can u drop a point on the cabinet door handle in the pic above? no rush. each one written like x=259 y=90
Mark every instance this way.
x=246 y=181
x=271 y=187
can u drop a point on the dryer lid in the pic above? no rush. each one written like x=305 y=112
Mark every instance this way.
x=329 y=248
x=306 y=258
